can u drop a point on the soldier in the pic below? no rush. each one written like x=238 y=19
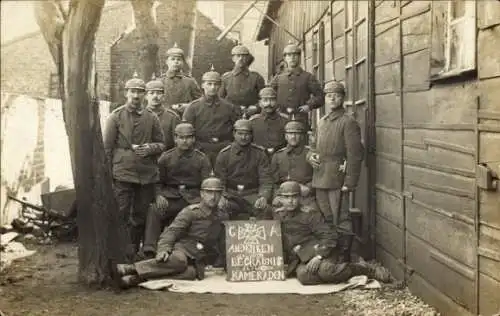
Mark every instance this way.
x=132 y=140
x=244 y=169
x=337 y=163
x=268 y=127
x=182 y=169
x=212 y=117
x=290 y=163
x=310 y=246
x=298 y=91
x=241 y=86
x=168 y=117
x=182 y=245
x=180 y=89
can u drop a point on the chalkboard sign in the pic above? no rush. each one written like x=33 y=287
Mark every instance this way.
x=254 y=251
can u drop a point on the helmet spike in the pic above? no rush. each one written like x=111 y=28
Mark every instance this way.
x=212 y=68
x=175 y=45
x=135 y=74
x=153 y=76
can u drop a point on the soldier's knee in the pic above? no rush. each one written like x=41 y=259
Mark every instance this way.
x=306 y=278
x=179 y=260
x=330 y=272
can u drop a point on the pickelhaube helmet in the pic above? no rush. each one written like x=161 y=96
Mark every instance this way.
x=154 y=84
x=211 y=75
x=240 y=50
x=291 y=48
x=294 y=127
x=289 y=188
x=184 y=129
x=135 y=83
x=267 y=92
x=175 y=51
x=243 y=125
x=334 y=87
x=212 y=184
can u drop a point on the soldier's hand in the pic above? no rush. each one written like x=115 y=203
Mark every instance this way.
x=313 y=265
x=162 y=256
x=346 y=189
x=224 y=204
x=314 y=160
x=304 y=190
x=161 y=202
x=304 y=108
x=143 y=150
x=297 y=248
x=261 y=203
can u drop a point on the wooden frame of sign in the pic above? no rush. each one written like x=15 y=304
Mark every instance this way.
x=254 y=251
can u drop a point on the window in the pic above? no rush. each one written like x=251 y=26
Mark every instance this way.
x=453 y=38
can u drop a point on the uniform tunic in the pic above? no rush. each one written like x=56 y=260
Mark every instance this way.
x=241 y=87
x=290 y=163
x=168 y=121
x=296 y=87
x=269 y=130
x=180 y=88
x=213 y=121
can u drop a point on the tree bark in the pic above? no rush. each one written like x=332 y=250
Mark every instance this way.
x=147 y=28
x=101 y=233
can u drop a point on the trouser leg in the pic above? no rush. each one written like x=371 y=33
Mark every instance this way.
x=344 y=223
x=143 y=197
x=124 y=195
x=149 y=269
x=306 y=278
x=323 y=201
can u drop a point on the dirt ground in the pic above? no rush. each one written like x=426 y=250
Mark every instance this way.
x=45 y=284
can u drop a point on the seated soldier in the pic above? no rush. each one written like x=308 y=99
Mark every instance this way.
x=268 y=127
x=310 y=245
x=182 y=245
x=182 y=169
x=290 y=163
x=243 y=167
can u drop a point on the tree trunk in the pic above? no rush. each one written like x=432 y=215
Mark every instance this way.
x=147 y=28
x=101 y=233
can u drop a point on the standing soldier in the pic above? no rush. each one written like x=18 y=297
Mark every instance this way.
x=180 y=89
x=241 y=86
x=182 y=245
x=212 y=117
x=132 y=140
x=182 y=169
x=310 y=245
x=290 y=164
x=243 y=167
x=168 y=117
x=268 y=127
x=338 y=143
x=298 y=91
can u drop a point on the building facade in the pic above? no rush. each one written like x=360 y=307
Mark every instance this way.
x=423 y=80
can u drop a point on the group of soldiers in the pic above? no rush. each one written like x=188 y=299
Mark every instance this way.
x=188 y=159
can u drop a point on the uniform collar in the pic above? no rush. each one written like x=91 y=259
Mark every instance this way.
x=239 y=149
x=243 y=71
x=212 y=101
x=295 y=71
x=294 y=150
x=133 y=109
x=173 y=73
x=157 y=110
x=185 y=153
x=271 y=116
x=335 y=114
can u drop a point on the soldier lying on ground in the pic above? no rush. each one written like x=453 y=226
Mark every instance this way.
x=182 y=245
x=182 y=169
x=310 y=245
x=290 y=163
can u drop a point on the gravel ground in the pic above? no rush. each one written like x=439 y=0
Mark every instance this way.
x=44 y=284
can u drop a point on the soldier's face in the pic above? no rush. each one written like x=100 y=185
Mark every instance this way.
x=268 y=105
x=292 y=60
x=210 y=198
x=175 y=62
x=211 y=88
x=184 y=142
x=290 y=202
x=294 y=139
x=240 y=60
x=334 y=100
x=154 y=97
x=243 y=138
x=135 y=96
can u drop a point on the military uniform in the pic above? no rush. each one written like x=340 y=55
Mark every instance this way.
x=134 y=176
x=181 y=174
x=179 y=87
x=245 y=172
x=213 y=119
x=241 y=86
x=194 y=230
x=296 y=87
x=307 y=237
x=338 y=141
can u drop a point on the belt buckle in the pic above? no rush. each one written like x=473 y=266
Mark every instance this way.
x=215 y=139
x=240 y=187
x=182 y=186
x=270 y=150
